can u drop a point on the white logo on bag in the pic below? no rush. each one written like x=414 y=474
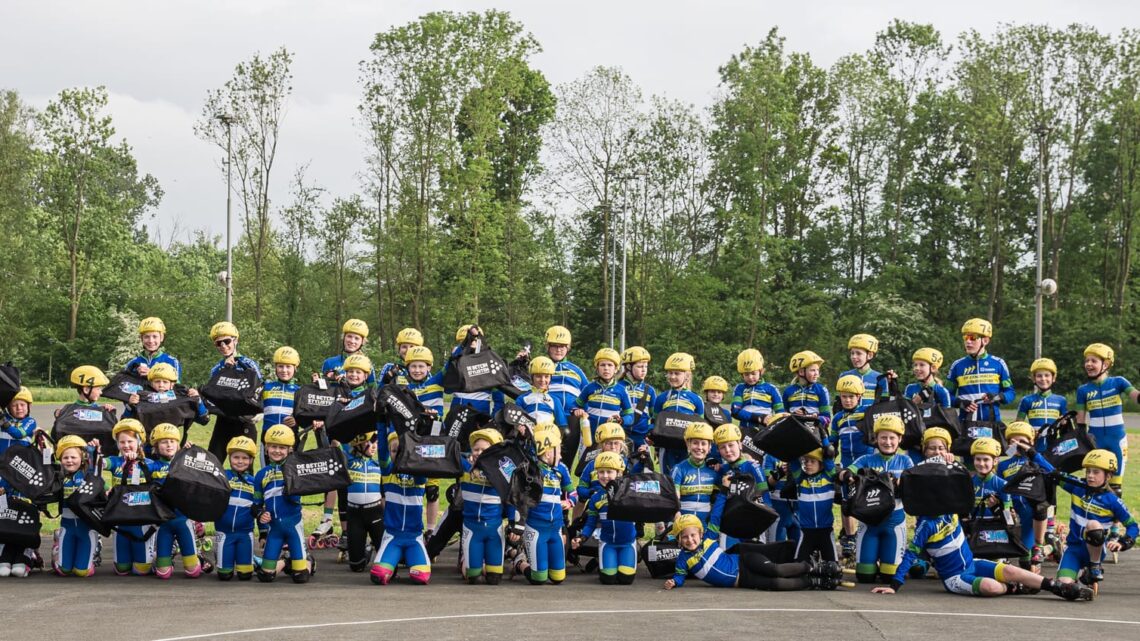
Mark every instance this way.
x=431 y=451
x=233 y=383
x=21 y=518
x=507 y=467
x=27 y=471
x=201 y=464
x=663 y=554
x=647 y=487
x=1064 y=447
x=320 y=400
x=88 y=415
x=319 y=467
x=400 y=409
x=130 y=388
x=136 y=499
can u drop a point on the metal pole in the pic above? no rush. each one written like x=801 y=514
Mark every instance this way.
x=624 y=218
x=1038 y=297
x=228 y=122
x=613 y=285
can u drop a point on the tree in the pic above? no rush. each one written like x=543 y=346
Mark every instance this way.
x=254 y=101
x=90 y=188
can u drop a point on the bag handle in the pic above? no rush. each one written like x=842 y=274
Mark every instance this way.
x=129 y=468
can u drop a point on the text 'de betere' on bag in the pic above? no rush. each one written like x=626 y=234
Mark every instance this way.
x=233 y=392
x=669 y=429
x=312 y=403
x=32 y=470
x=320 y=470
x=19 y=523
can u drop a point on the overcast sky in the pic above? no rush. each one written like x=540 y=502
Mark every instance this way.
x=158 y=60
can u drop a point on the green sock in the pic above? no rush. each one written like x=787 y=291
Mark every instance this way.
x=328 y=513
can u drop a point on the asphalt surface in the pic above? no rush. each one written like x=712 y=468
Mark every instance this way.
x=339 y=604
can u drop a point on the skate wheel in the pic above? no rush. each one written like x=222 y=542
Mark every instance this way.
x=332 y=541
x=312 y=541
x=1115 y=558
x=207 y=545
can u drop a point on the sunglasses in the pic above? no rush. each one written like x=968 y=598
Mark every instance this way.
x=223 y=342
x=971 y=337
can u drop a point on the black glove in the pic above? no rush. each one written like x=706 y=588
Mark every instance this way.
x=515 y=528
x=1126 y=542
x=963 y=403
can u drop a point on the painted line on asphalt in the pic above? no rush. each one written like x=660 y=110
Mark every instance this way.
x=488 y=615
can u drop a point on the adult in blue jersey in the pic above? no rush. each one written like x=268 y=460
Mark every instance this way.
x=566 y=385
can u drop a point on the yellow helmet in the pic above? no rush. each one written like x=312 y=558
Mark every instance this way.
x=242 y=444
x=804 y=360
x=547 y=437
x=1022 y=429
x=410 y=336
x=129 y=425
x=68 y=442
x=461 y=333
x=358 y=361
x=24 y=394
x=698 y=430
x=714 y=383
x=850 y=384
x=610 y=431
x=355 y=326
x=222 y=329
x=1046 y=364
x=489 y=434
x=727 y=433
x=609 y=461
x=165 y=431
x=979 y=326
x=152 y=324
x=816 y=454
x=937 y=432
x=542 y=365
x=607 y=354
x=362 y=439
x=865 y=342
x=750 y=360
x=985 y=446
x=635 y=354
x=928 y=355
x=1101 y=460
x=286 y=356
x=1101 y=351
x=88 y=376
x=419 y=353
x=279 y=435
x=162 y=372
x=557 y=335
x=686 y=521
x=889 y=423
x=679 y=362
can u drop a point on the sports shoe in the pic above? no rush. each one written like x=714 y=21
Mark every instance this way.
x=1072 y=591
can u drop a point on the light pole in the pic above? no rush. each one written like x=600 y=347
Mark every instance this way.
x=228 y=121
x=1042 y=132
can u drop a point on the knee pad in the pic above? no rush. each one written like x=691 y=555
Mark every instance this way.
x=1040 y=511
x=625 y=579
x=224 y=575
x=866 y=578
x=431 y=493
x=1095 y=538
x=607 y=579
x=494 y=578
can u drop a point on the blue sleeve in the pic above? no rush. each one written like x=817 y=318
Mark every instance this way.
x=132 y=365
x=384 y=458
x=580 y=402
x=952 y=382
x=825 y=405
x=591 y=518
x=785 y=396
x=679 y=571
x=1064 y=406
x=699 y=404
x=942 y=395
x=712 y=531
x=1007 y=391
x=626 y=409
x=1042 y=462
x=559 y=412
x=1024 y=406
x=921 y=534
x=658 y=404
x=497 y=401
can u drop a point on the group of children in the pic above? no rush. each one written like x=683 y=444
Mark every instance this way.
x=605 y=422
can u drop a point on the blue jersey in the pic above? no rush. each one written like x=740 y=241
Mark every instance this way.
x=815 y=495
x=941 y=538
x=936 y=393
x=239 y=512
x=708 y=563
x=752 y=403
x=567 y=382
x=601 y=401
x=241 y=364
x=335 y=364
x=1100 y=505
x=15 y=431
x=1040 y=410
x=277 y=402
x=642 y=396
x=481 y=501
x=695 y=482
x=150 y=360
x=845 y=430
x=874 y=387
x=117 y=465
x=367 y=487
x=403 y=497
x=985 y=486
x=894 y=465
x=556 y=483
x=812 y=399
x=1103 y=401
x=269 y=491
x=978 y=379
x=609 y=530
x=679 y=400
x=543 y=406
x=429 y=392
